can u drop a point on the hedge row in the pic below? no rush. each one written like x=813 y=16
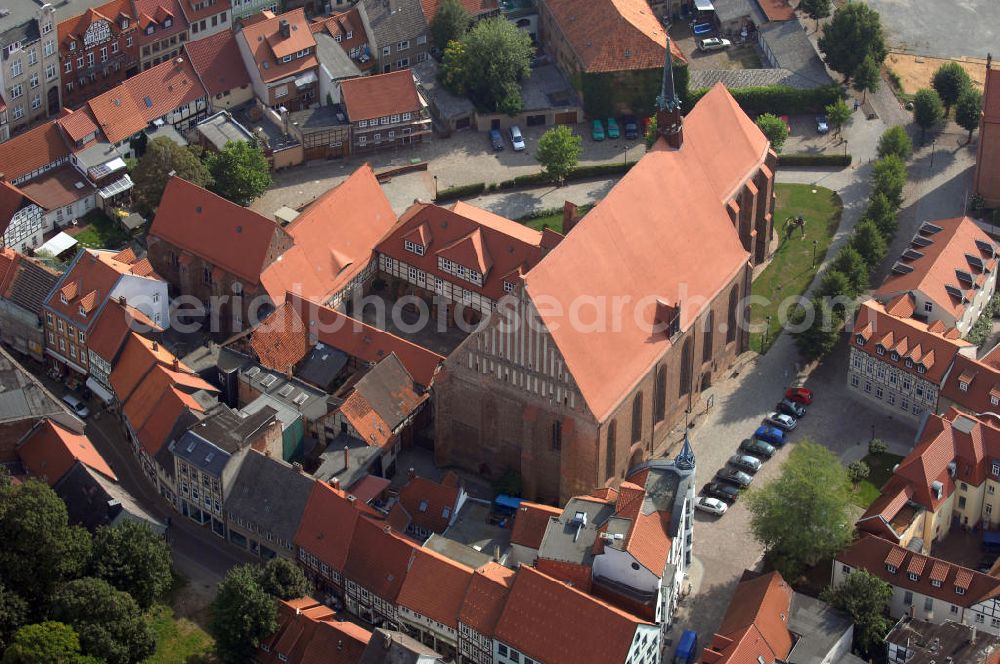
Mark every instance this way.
x=532 y=179
x=461 y=191
x=778 y=99
x=799 y=159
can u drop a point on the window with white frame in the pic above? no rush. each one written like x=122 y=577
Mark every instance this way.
x=386 y=50
x=33 y=81
x=49 y=48
x=403 y=45
x=413 y=247
x=407 y=117
x=393 y=119
x=16 y=91
x=36 y=102
x=15 y=67
x=18 y=112
x=362 y=124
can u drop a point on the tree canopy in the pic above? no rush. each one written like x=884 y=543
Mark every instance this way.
x=838 y=113
x=111 y=625
x=816 y=9
x=854 y=33
x=449 y=23
x=852 y=264
x=950 y=81
x=488 y=64
x=283 y=579
x=242 y=615
x=13 y=614
x=968 y=111
x=889 y=179
x=867 y=77
x=895 y=141
x=240 y=172
x=153 y=171
x=864 y=598
x=804 y=515
x=819 y=328
x=41 y=549
x=559 y=150
x=51 y=642
x=774 y=128
x=881 y=211
x=928 y=109
x=867 y=240
x=134 y=559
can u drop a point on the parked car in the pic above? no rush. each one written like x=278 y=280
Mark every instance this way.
x=770 y=434
x=77 y=406
x=687 y=648
x=516 y=139
x=802 y=395
x=711 y=505
x=613 y=131
x=631 y=127
x=758 y=447
x=822 y=124
x=702 y=28
x=597 y=130
x=789 y=407
x=714 y=44
x=745 y=462
x=783 y=422
x=733 y=476
x=496 y=140
x=724 y=491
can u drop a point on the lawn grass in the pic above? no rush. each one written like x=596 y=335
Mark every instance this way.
x=178 y=640
x=881 y=468
x=100 y=232
x=550 y=218
x=792 y=267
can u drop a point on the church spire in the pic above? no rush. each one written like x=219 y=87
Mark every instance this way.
x=668 y=105
x=685 y=459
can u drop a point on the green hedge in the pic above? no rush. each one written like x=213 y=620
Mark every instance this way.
x=778 y=99
x=793 y=159
x=461 y=191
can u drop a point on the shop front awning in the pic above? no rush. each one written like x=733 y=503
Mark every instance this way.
x=102 y=392
x=306 y=79
x=704 y=5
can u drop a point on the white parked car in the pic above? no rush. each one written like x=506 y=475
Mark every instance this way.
x=711 y=505
x=714 y=44
x=78 y=407
x=783 y=422
x=516 y=139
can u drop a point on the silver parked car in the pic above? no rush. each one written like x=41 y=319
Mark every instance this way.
x=733 y=476
x=714 y=44
x=783 y=422
x=745 y=462
x=711 y=505
x=516 y=139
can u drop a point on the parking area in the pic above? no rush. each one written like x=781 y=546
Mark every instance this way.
x=941 y=29
x=805 y=137
x=736 y=56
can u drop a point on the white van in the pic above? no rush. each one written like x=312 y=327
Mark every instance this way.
x=78 y=407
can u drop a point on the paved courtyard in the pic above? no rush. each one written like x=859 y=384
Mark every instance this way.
x=942 y=29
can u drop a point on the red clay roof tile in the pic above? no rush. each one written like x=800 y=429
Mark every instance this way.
x=381 y=95
x=217 y=61
x=50 y=451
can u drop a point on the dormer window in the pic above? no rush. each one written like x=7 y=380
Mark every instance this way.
x=995 y=401
x=895 y=356
x=935 y=583
x=124 y=24
x=83 y=312
x=860 y=340
x=62 y=298
x=287 y=58
x=508 y=287
x=891 y=568
x=912 y=577
x=167 y=23
x=72 y=46
x=959 y=590
x=921 y=369
x=962 y=385
x=150 y=29
x=996 y=468
x=413 y=247
x=880 y=349
x=909 y=363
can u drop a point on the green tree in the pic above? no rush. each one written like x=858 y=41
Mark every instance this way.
x=867 y=77
x=858 y=471
x=240 y=171
x=833 y=283
x=559 y=149
x=242 y=614
x=819 y=328
x=495 y=56
x=852 y=264
x=151 y=175
x=838 y=113
x=896 y=141
x=50 y=642
x=968 y=110
x=867 y=240
x=449 y=23
x=13 y=614
x=816 y=9
x=855 y=33
x=950 y=81
x=927 y=110
x=283 y=579
x=774 y=128
x=40 y=549
x=111 y=625
x=877 y=446
x=134 y=559
x=889 y=179
x=863 y=597
x=804 y=515
x=881 y=211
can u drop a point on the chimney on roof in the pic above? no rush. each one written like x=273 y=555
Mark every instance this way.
x=496 y=553
x=285 y=29
x=335 y=482
x=156 y=346
x=177 y=364
x=3 y=177
x=121 y=300
x=297 y=467
x=347 y=458
x=569 y=217
x=387 y=529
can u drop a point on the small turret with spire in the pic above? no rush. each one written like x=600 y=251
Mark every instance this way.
x=669 y=123
x=685 y=458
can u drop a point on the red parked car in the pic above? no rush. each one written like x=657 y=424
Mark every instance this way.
x=801 y=395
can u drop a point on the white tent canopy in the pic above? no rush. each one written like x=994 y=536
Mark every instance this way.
x=704 y=5
x=60 y=243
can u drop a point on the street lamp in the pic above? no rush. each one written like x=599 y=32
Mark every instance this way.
x=767 y=328
x=873 y=432
x=845 y=147
x=626 y=155
x=814 y=253
x=435 y=188
x=933 y=150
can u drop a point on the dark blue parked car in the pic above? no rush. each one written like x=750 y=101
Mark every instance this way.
x=769 y=434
